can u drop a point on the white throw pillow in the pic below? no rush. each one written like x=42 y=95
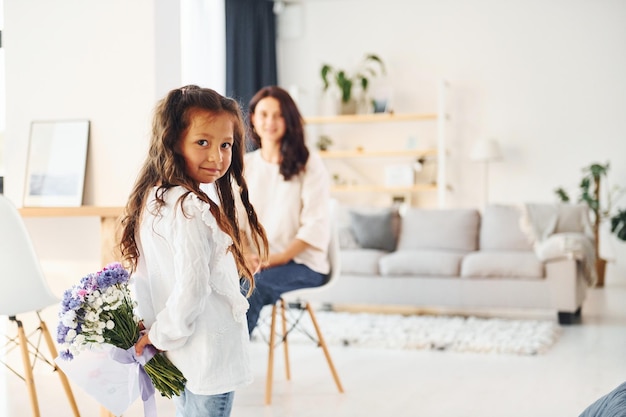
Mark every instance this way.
x=500 y=229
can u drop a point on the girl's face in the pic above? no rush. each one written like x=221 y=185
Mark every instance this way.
x=268 y=120
x=207 y=145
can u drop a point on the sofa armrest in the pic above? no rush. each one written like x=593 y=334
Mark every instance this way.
x=567 y=284
x=569 y=246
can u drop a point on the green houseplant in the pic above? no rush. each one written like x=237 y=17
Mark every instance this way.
x=323 y=142
x=590 y=194
x=371 y=66
x=618 y=224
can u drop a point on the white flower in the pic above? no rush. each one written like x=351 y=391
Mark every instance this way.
x=91 y=317
x=70 y=336
x=116 y=305
x=69 y=319
x=80 y=339
x=69 y=315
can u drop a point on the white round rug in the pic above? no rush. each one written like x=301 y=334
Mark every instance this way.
x=446 y=333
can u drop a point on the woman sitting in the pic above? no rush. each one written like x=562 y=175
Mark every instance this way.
x=289 y=188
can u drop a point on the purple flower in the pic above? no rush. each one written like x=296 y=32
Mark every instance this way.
x=75 y=303
x=106 y=279
x=65 y=354
x=65 y=302
x=89 y=282
x=112 y=274
x=62 y=333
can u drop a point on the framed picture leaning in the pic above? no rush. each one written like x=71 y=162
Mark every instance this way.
x=57 y=158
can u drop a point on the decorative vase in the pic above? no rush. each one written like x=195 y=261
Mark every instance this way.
x=347 y=107
x=381 y=97
x=364 y=104
x=380 y=105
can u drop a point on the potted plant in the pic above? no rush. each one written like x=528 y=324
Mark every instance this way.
x=590 y=194
x=323 y=142
x=618 y=224
x=371 y=66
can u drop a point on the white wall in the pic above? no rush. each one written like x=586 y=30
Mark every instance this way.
x=71 y=60
x=82 y=59
x=546 y=78
x=108 y=62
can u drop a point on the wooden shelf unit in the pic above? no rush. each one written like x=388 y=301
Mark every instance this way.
x=416 y=153
x=359 y=188
x=438 y=153
x=370 y=118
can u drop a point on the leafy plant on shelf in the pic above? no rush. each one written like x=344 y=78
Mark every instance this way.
x=324 y=142
x=345 y=81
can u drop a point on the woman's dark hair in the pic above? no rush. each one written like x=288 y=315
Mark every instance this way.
x=293 y=150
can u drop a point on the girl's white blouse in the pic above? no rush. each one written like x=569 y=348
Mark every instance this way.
x=188 y=294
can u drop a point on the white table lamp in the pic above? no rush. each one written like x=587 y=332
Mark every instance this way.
x=486 y=151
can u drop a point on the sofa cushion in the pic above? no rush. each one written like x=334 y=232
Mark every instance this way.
x=422 y=263
x=374 y=230
x=346 y=238
x=360 y=261
x=502 y=264
x=450 y=229
x=500 y=229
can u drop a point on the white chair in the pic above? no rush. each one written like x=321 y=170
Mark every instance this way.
x=298 y=298
x=23 y=289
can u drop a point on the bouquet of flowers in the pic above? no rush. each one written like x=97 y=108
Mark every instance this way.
x=100 y=310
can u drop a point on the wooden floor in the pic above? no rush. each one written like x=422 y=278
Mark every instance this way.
x=588 y=361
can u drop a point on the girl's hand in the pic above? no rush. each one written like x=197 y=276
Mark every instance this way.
x=143 y=341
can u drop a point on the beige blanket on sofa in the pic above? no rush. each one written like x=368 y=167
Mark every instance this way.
x=560 y=231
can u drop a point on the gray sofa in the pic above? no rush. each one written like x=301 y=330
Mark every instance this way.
x=460 y=259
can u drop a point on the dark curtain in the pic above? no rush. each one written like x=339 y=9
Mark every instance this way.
x=250 y=48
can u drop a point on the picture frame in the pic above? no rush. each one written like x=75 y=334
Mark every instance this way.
x=399 y=175
x=57 y=159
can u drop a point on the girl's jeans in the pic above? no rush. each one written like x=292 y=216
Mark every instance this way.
x=192 y=405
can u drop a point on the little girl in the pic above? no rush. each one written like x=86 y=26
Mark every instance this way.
x=184 y=249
